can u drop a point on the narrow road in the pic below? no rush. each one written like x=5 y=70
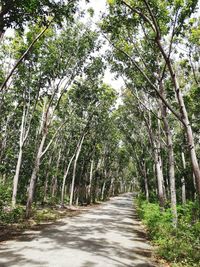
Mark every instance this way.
x=107 y=236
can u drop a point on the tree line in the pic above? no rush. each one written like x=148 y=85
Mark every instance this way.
x=64 y=139
x=59 y=141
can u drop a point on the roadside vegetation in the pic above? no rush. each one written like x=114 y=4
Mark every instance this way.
x=177 y=246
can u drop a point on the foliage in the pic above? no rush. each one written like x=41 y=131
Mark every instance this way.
x=16 y=13
x=5 y=193
x=179 y=245
x=10 y=216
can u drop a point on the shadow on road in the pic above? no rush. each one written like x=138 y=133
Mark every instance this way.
x=111 y=234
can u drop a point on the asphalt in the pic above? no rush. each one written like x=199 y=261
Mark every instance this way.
x=109 y=235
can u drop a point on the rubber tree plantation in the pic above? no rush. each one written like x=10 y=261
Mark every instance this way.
x=70 y=138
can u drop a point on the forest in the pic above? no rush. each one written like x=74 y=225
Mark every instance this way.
x=69 y=138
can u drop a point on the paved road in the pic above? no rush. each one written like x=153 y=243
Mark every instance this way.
x=107 y=236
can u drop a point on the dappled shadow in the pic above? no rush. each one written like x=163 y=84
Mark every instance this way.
x=108 y=236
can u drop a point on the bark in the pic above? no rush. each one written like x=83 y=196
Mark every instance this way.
x=183 y=179
x=184 y=114
x=47 y=178
x=156 y=147
x=160 y=163
x=103 y=190
x=32 y=185
x=55 y=177
x=188 y=128
x=64 y=179
x=111 y=187
x=170 y=158
x=159 y=173
x=90 y=181
x=19 y=159
x=74 y=169
x=146 y=182
x=24 y=131
x=16 y=178
x=195 y=185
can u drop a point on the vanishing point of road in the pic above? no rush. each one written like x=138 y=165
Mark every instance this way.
x=109 y=235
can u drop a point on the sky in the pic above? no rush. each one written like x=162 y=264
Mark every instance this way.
x=99 y=7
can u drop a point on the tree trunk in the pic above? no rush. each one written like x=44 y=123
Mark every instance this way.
x=146 y=182
x=16 y=178
x=183 y=179
x=159 y=173
x=170 y=158
x=64 y=180
x=74 y=169
x=103 y=190
x=111 y=187
x=155 y=143
x=90 y=181
x=47 y=179
x=19 y=160
x=34 y=177
x=185 y=119
x=55 y=177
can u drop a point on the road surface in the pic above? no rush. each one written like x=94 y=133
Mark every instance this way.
x=109 y=235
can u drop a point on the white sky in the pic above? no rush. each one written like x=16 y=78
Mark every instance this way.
x=99 y=7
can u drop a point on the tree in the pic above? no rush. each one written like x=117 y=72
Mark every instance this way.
x=15 y=14
x=153 y=21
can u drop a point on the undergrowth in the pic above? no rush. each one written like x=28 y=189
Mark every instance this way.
x=180 y=246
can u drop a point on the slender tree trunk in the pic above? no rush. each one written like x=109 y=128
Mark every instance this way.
x=103 y=190
x=47 y=179
x=16 y=177
x=183 y=179
x=159 y=173
x=34 y=177
x=90 y=181
x=156 y=147
x=195 y=185
x=55 y=177
x=64 y=179
x=190 y=138
x=146 y=182
x=74 y=169
x=111 y=187
x=170 y=158
x=19 y=160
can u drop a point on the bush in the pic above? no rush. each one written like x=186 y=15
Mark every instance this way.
x=12 y=215
x=180 y=246
x=5 y=193
x=45 y=215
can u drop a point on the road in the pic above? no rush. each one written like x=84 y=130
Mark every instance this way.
x=109 y=235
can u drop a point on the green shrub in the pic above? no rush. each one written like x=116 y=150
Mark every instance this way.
x=5 y=193
x=45 y=215
x=12 y=215
x=180 y=246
